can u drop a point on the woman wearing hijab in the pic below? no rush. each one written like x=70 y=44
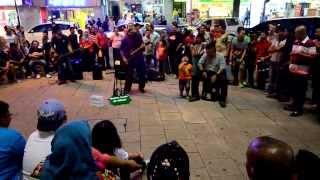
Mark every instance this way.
x=71 y=156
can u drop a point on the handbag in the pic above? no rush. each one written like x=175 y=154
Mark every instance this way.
x=301 y=70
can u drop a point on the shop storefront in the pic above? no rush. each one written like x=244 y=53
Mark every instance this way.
x=212 y=8
x=76 y=11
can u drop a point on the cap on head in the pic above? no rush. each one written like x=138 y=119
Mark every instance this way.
x=51 y=115
x=269 y=158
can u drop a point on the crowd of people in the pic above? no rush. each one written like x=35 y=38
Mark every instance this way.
x=59 y=149
x=278 y=61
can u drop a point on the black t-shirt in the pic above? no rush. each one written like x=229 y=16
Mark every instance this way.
x=174 y=38
x=15 y=55
x=60 y=44
x=3 y=59
x=73 y=39
x=32 y=50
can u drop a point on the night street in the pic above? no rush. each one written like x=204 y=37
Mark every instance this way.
x=216 y=139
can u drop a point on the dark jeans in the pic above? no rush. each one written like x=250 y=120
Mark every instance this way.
x=148 y=59
x=116 y=54
x=140 y=67
x=65 y=70
x=262 y=75
x=299 y=88
x=195 y=86
x=107 y=58
x=220 y=85
x=274 y=76
x=283 y=84
x=184 y=85
x=174 y=63
x=250 y=73
x=162 y=65
x=235 y=72
x=40 y=62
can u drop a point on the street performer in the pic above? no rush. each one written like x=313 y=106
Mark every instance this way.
x=61 y=47
x=131 y=50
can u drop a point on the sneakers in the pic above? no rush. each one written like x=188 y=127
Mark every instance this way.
x=48 y=76
x=38 y=76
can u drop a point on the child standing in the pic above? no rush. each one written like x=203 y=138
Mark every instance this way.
x=185 y=75
x=162 y=56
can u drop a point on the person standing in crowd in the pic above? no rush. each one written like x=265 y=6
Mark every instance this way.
x=303 y=53
x=262 y=61
x=148 y=47
x=105 y=25
x=283 y=84
x=116 y=39
x=131 y=50
x=316 y=73
x=60 y=45
x=275 y=51
x=73 y=39
x=155 y=37
x=11 y=146
x=197 y=50
x=251 y=60
x=175 y=43
x=269 y=158
x=162 y=56
x=89 y=53
x=99 y=23
x=51 y=115
x=212 y=65
x=36 y=57
x=185 y=75
x=237 y=57
x=103 y=45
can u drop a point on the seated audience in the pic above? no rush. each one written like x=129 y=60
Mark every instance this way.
x=106 y=139
x=12 y=145
x=73 y=158
x=269 y=158
x=307 y=165
x=36 y=57
x=16 y=58
x=6 y=71
x=51 y=115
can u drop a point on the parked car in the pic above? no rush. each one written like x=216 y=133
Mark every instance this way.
x=35 y=33
x=229 y=24
x=290 y=23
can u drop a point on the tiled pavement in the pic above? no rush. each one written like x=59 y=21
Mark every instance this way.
x=215 y=139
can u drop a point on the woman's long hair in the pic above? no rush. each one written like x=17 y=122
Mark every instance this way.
x=105 y=137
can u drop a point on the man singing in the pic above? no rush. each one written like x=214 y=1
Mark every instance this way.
x=131 y=50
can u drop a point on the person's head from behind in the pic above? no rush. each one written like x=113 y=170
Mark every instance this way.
x=51 y=115
x=5 y=115
x=241 y=33
x=307 y=165
x=162 y=43
x=300 y=33
x=211 y=49
x=175 y=27
x=269 y=158
x=105 y=137
x=199 y=39
x=71 y=156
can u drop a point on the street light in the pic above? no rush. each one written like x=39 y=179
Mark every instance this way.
x=17 y=11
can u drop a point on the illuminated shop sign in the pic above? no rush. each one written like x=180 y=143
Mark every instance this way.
x=10 y=2
x=66 y=2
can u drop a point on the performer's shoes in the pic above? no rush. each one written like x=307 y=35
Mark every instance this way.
x=62 y=82
x=222 y=104
x=296 y=113
x=73 y=81
x=193 y=99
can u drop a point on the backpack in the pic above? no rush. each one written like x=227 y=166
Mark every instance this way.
x=169 y=161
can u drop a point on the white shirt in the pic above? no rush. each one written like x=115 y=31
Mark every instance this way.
x=37 y=149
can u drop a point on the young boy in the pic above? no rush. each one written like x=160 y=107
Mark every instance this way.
x=185 y=75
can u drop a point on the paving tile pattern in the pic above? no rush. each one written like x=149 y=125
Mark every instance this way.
x=215 y=139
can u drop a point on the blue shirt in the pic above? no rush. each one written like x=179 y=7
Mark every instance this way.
x=12 y=146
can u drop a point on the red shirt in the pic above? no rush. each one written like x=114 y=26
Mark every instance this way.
x=102 y=40
x=87 y=44
x=262 y=48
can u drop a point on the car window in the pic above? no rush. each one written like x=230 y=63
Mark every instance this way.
x=63 y=26
x=41 y=28
x=232 y=22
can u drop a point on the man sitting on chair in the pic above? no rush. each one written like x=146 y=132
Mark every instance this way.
x=212 y=65
x=36 y=58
